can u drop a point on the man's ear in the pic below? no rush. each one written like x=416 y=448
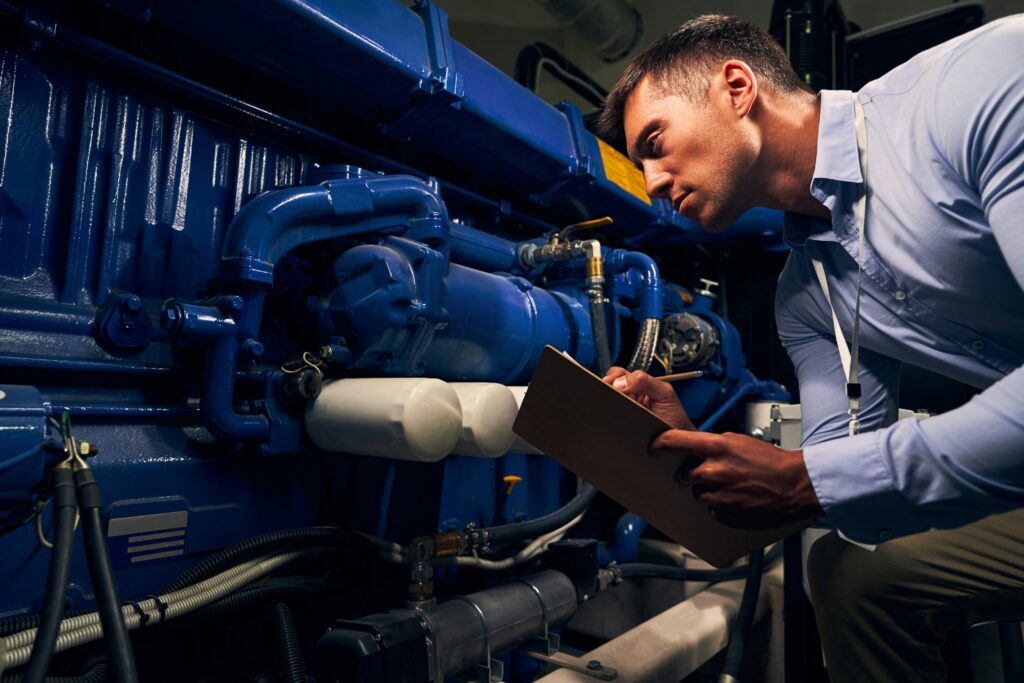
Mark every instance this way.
x=740 y=86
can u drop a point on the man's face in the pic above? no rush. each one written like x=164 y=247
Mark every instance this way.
x=699 y=157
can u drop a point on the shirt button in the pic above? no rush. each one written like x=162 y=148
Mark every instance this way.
x=884 y=534
x=978 y=344
x=899 y=295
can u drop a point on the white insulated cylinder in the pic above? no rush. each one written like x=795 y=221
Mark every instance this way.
x=520 y=445
x=488 y=411
x=408 y=418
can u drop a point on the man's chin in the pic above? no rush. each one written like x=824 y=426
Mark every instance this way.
x=718 y=221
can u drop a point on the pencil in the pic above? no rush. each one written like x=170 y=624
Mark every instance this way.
x=681 y=375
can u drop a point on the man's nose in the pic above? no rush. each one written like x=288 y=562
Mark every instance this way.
x=658 y=183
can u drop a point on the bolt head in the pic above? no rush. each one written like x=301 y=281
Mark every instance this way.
x=594 y=665
x=131 y=304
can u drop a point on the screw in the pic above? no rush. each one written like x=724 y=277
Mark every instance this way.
x=235 y=303
x=131 y=304
x=594 y=665
x=252 y=347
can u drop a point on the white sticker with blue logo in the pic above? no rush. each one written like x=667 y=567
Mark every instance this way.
x=147 y=539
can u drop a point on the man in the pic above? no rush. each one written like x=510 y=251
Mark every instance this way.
x=719 y=123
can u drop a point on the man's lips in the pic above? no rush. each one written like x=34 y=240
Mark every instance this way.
x=679 y=201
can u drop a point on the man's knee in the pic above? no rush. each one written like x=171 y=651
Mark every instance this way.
x=844 y=576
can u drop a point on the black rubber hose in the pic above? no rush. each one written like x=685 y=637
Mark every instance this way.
x=115 y=632
x=599 y=328
x=260 y=594
x=745 y=618
x=285 y=539
x=289 y=650
x=97 y=673
x=665 y=571
x=533 y=528
x=64 y=506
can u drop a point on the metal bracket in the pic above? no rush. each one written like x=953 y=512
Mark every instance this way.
x=443 y=76
x=490 y=670
x=580 y=138
x=443 y=83
x=592 y=668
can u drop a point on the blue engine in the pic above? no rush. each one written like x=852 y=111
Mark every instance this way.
x=209 y=211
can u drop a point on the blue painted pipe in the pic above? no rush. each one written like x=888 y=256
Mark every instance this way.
x=740 y=392
x=273 y=224
x=649 y=304
x=125 y=412
x=628 y=530
x=276 y=222
x=477 y=249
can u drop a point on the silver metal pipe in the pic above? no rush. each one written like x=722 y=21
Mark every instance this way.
x=469 y=629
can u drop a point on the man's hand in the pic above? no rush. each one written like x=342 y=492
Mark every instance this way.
x=657 y=396
x=746 y=482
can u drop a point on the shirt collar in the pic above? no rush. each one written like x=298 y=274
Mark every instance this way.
x=837 y=157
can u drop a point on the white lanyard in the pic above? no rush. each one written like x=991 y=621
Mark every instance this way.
x=849 y=356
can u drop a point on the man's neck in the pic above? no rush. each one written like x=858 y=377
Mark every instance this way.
x=789 y=153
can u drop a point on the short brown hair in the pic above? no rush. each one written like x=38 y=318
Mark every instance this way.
x=684 y=61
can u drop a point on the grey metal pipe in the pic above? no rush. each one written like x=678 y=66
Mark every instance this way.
x=469 y=628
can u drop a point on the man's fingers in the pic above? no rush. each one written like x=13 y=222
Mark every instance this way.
x=684 y=473
x=613 y=374
x=700 y=444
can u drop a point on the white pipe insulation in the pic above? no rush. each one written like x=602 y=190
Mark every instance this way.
x=415 y=418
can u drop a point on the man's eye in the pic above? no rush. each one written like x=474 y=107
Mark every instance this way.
x=652 y=145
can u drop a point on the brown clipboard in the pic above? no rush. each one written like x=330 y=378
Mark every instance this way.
x=602 y=435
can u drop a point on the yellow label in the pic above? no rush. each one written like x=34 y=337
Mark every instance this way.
x=621 y=171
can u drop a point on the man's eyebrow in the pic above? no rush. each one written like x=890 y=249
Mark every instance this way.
x=638 y=149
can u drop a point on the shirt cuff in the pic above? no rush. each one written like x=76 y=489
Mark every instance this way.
x=855 y=488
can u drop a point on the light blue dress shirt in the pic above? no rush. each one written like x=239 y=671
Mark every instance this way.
x=942 y=289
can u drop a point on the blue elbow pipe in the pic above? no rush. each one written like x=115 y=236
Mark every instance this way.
x=628 y=530
x=650 y=300
x=277 y=222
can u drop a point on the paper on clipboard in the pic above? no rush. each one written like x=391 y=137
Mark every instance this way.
x=602 y=435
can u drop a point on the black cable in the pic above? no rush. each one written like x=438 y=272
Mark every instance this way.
x=745 y=618
x=665 y=571
x=510 y=533
x=290 y=652
x=250 y=548
x=115 y=631
x=64 y=507
x=96 y=673
x=255 y=595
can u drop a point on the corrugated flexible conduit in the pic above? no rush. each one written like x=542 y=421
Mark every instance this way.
x=86 y=628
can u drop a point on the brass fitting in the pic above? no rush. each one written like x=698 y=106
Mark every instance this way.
x=447 y=544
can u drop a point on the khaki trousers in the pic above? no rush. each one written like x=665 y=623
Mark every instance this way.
x=883 y=615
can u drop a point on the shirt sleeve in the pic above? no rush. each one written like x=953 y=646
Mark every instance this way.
x=856 y=489
x=965 y=464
